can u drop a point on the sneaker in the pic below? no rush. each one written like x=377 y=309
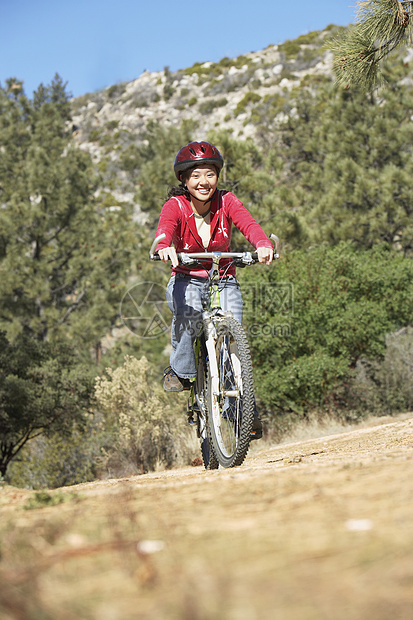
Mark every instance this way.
x=256 y=431
x=172 y=383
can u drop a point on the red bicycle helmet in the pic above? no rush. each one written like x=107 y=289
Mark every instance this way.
x=197 y=152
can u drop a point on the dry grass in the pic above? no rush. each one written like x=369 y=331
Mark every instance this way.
x=315 y=529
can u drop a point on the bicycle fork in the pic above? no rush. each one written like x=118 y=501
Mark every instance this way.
x=210 y=339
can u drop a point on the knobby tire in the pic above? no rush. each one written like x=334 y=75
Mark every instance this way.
x=230 y=414
x=208 y=456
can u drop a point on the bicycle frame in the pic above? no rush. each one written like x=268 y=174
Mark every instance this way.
x=210 y=313
x=214 y=319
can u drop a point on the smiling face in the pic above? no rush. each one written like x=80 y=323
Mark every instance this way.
x=202 y=182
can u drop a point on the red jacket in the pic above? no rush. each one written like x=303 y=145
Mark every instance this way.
x=178 y=223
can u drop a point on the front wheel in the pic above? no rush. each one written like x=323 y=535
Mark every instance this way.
x=230 y=397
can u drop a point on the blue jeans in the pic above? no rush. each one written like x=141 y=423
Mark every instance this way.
x=184 y=297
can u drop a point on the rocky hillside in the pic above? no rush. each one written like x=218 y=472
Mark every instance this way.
x=247 y=96
x=229 y=94
x=234 y=94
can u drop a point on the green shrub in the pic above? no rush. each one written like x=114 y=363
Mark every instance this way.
x=292 y=48
x=286 y=75
x=140 y=102
x=312 y=79
x=168 y=91
x=255 y=118
x=386 y=386
x=255 y=84
x=336 y=307
x=106 y=139
x=225 y=62
x=248 y=98
x=44 y=391
x=43 y=498
x=196 y=68
x=217 y=68
x=103 y=166
x=94 y=135
x=149 y=428
x=331 y=27
x=207 y=107
x=268 y=109
x=115 y=91
x=111 y=125
x=131 y=158
x=56 y=461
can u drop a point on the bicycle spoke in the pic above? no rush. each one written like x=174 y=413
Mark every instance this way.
x=208 y=455
x=230 y=412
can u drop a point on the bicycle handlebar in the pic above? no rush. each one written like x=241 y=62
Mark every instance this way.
x=187 y=257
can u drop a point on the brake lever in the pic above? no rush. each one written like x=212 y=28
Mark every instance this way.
x=247 y=258
x=276 y=243
x=185 y=260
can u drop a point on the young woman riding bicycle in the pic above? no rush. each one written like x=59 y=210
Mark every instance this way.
x=198 y=217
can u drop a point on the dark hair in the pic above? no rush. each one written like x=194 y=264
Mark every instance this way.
x=178 y=190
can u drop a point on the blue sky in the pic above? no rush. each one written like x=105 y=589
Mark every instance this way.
x=97 y=43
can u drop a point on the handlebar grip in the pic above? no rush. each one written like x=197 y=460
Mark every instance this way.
x=152 y=255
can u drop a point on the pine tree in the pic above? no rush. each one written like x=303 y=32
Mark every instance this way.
x=43 y=391
x=348 y=168
x=64 y=255
x=381 y=26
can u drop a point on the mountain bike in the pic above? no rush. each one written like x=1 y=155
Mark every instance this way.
x=221 y=402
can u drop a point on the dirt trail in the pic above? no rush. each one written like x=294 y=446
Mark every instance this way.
x=314 y=529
